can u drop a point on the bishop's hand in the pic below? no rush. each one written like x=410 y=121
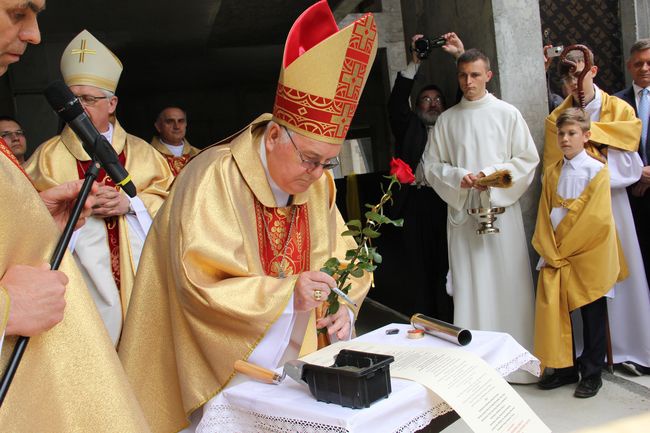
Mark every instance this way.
x=311 y=289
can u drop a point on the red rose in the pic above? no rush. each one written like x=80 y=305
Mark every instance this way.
x=401 y=170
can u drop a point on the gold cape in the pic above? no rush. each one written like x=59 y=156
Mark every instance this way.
x=55 y=162
x=618 y=127
x=70 y=378
x=583 y=261
x=201 y=299
x=188 y=149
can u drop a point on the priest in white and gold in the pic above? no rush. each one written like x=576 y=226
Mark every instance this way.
x=230 y=269
x=170 y=141
x=107 y=249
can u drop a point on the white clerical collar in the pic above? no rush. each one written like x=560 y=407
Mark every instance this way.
x=480 y=100
x=175 y=150
x=577 y=160
x=109 y=134
x=281 y=197
x=593 y=107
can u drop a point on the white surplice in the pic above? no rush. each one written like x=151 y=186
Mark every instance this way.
x=89 y=246
x=492 y=281
x=629 y=307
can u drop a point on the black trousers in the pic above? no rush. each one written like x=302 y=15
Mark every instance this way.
x=594 y=337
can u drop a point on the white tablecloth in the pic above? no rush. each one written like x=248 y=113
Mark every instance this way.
x=289 y=407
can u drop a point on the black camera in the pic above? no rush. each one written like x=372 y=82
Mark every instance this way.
x=423 y=46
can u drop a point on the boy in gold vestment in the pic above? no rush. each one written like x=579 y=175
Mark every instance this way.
x=576 y=239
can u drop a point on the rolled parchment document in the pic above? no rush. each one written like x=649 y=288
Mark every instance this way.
x=441 y=329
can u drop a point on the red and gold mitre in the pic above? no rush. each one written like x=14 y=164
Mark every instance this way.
x=323 y=73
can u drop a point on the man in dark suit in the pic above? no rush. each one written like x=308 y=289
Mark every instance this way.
x=639 y=67
x=422 y=250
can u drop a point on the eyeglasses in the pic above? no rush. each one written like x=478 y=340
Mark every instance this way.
x=12 y=134
x=310 y=165
x=431 y=101
x=89 y=100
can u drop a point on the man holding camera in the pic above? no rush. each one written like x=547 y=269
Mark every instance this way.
x=425 y=235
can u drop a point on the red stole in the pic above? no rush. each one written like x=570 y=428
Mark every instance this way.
x=275 y=257
x=176 y=163
x=112 y=226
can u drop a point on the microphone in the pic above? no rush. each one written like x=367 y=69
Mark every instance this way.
x=68 y=107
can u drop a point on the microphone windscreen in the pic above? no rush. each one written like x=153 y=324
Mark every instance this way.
x=62 y=100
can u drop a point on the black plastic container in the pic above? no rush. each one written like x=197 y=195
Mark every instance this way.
x=356 y=380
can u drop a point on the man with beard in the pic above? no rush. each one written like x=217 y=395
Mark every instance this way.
x=423 y=239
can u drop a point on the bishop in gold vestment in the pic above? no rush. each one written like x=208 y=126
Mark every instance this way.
x=107 y=249
x=70 y=378
x=230 y=270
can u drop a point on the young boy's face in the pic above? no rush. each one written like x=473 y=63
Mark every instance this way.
x=572 y=139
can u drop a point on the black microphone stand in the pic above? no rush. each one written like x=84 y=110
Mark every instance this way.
x=21 y=344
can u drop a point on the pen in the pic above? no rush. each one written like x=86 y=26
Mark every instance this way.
x=342 y=294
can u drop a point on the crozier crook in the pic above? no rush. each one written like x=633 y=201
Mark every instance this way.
x=580 y=76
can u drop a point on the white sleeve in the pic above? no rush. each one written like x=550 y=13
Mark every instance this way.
x=140 y=221
x=441 y=173
x=522 y=163
x=624 y=167
x=410 y=71
x=270 y=349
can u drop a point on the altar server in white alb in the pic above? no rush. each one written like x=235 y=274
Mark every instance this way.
x=490 y=273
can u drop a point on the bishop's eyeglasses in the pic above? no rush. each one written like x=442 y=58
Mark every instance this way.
x=309 y=164
x=89 y=100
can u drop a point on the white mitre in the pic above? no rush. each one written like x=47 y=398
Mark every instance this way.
x=87 y=62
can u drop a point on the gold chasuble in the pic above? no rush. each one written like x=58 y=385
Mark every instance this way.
x=618 y=127
x=582 y=261
x=70 y=379
x=176 y=163
x=55 y=162
x=207 y=292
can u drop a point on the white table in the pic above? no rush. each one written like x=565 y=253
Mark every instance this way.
x=289 y=407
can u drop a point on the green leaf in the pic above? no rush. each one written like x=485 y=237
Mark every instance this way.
x=397 y=223
x=376 y=257
x=367 y=267
x=369 y=206
x=347 y=288
x=358 y=273
x=354 y=223
x=350 y=254
x=332 y=262
x=328 y=271
x=374 y=216
x=351 y=233
x=371 y=233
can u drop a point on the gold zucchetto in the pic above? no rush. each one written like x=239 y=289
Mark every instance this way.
x=87 y=62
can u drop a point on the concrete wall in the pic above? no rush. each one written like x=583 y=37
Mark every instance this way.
x=635 y=24
x=507 y=31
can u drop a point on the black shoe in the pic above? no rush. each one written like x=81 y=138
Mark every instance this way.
x=634 y=368
x=588 y=387
x=556 y=380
